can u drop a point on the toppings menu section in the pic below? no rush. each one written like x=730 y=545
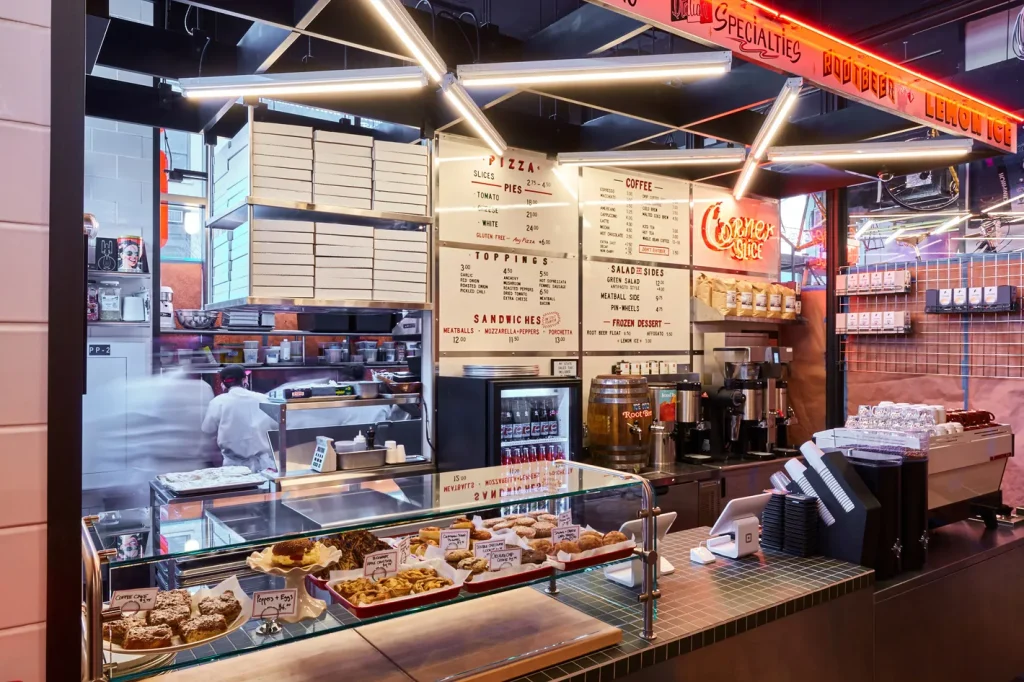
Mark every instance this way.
x=520 y=200
x=635 y=216
x=497 y=301
x=635 y=307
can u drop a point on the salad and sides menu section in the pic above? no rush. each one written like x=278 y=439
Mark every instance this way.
x=635 y=217
x=520 y=200
x=494 y=300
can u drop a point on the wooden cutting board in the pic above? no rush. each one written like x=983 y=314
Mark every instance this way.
x=328 y=658
x=470 y=638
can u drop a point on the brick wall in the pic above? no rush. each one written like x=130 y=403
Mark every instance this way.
x=24 y=200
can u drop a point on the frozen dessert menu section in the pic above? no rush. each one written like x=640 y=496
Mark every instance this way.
x=494 y=301
x=520 y=200
x=635 y=217
x=635 y=307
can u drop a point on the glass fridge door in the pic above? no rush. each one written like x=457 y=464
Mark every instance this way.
x=535 y=424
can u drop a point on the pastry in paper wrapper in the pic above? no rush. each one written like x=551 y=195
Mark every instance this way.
x=560 y=559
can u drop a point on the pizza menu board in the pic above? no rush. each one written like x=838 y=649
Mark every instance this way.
x=497 y=301
x=635 y=307
x=520 y=200
x=735 y=235
x=635 y=216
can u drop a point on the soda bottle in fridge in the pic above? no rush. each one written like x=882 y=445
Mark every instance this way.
x=517 y=420
x=555 y=425
x=506 y=421
x=536 y=419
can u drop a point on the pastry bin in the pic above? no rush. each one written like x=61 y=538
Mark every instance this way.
x=349 y=555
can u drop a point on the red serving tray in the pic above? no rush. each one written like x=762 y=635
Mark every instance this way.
x=598 y=559
x=541 y=571
x=395 y=605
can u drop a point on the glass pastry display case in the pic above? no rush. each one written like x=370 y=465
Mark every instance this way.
x=270 y=567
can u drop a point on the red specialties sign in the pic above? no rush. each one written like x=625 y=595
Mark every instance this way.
x=494 y=301
x=762 y=34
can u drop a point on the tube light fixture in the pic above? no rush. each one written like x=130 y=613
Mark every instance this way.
x=659 y=157
x=308 y=83
x=777 y=115
x=744 y=180
x=892 y=237
x=950 y=224
x=402 y=25
x=873 y=151
x=1019 y=197
x=597 y=70
x=864 y=228
x=468 y=109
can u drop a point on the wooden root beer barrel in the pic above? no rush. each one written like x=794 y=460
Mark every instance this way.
x=619 y=421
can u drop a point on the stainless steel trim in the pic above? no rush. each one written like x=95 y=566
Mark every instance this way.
x=93 y=633
x=321 y=304
x=183 y=199
x=229 y=219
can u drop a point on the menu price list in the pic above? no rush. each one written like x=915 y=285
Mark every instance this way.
x=635 y=217
x=495 y=301
x=518 y=200
x=635 y=307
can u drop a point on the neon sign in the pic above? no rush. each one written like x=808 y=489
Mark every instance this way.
x=742 y=238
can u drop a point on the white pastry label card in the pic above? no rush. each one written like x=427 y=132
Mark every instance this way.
x=484 y=548
x=403 y=550
x=454 y=539
x=133 y=601
x=275 y=603
x=380 y=565
x=564 y=519
x=509 y=557
x=565 y=534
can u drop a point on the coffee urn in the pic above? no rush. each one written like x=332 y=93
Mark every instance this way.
x=691 y=428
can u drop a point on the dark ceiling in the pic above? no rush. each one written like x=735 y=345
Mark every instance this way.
x=220 y=37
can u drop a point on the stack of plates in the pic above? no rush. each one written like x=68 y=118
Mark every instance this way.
x=773 y=521
x=500 y=371
x=801 y=523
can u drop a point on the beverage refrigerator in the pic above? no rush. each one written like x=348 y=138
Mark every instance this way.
x=489 y=422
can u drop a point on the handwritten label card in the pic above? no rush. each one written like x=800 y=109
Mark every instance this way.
x=132 y=601
x=565 y=533
x=275 y=603
x=564 y=519
x=455 y=539
x=485 y=548
x=509 y=557
x=380 y=565
x=403 y=550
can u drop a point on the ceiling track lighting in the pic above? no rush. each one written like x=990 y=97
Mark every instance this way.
x=457 y=96
x=409 y=34
x=660 y=157
x=307 y=83
x=596 y=70
x=773 y=123
x=863 y=229
x=872 y=151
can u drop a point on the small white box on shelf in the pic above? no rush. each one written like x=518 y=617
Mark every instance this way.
x=267 y=161
x=282 y=280
x=390 y=207
x=282 y=151
x=403 y=189
x=344 y=283
x=399 y=245
x=283 y=258
x=350 y=263
x=418 y=200
x=840 y=285
x=419 y=236
x=398 y=157
x=276 y=269
x=338 y=158
x=389 y=285
x=393 y=265
x=344 y=251
x=402 y=168
x=343 y=138
x=400 y=256
x=344 y=294
x=342 y=180
x=400 y=276
x=341 y=191
x=344 y=230
x=261 y=225
x=280 y=172
x=260 y=183
x=305 y=248
x=343 y=202
x=341 y=240
x=402 y=179
x=288 y=237
x=282 y=292
x=337 y=169
x=401 y=148
x=284 y=195
x=343 y=149
x=282 y=141
x=283 y=129
x=332 y=272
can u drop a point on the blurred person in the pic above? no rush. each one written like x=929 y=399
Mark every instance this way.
x=238 y=423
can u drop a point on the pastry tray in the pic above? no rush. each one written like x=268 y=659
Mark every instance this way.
x=395 y=605
x=542 y=571
x=180 y=645
x=596 y=559
x=222 y=488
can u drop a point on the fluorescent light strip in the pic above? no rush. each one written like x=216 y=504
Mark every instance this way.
x=864 y=228
x=892 y=237
x=401 y=24
x=872 y=151
x=744 y=180
x=469 y=110
x=600 y=76
x=1003 y=203
x=885 y=217
x=950 y=224
x=777 y=116
x=309 y=83
x=668 y=157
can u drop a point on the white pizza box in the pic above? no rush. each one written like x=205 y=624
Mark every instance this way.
x=399 y=245
x=277 y=269
x=221 y=237
x=281 y=172
x=266 y=161
x=281 y=183
x=227 y=190
x=342 y=180
x=342 y=240
x=283 y=129
x=381 y=234
x=399 y=157
x=283 y=258
x=345 y=283
x=393 y=265
x=340 y=159
x=240 y=266
x=361 y=274
x=344 y=294
x=400 y=276
x=341 y=169
x=407 y=296
x=401 y=147
x=340 y=191
x=282 y=150
x=392 y=285
x=221 y=253
x=283 y=194
x=240 y=249
x=234 y=175
x=221 y=292
x=402 y=168
x=418 y=191
x=288 y=237
x=262 y=224
x=282 y=292
x=343 y=251
x=268 y=247
x=282 y=280
x=401 y=256
x=380 y=176
x=344 y=230
x=221 y=273
x=418 y=200
x=348 y=263
x=399 y=208
x=341 y=202
x=282 y=140
x=344 y=149
x=343 y=138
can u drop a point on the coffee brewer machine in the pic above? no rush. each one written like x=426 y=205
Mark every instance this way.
x=692 y=430
x=678 y=428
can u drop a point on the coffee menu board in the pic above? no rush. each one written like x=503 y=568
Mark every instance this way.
x=498 y=301
x=635 y=216
x=520 y=200
x=635 y=307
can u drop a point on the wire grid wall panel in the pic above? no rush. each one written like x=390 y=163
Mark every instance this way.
x=978 y=344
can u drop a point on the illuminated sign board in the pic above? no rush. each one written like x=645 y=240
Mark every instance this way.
x=743 y=238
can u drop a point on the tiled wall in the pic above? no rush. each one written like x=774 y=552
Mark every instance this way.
x=24 y=197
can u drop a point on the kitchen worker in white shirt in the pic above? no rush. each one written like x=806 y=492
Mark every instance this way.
x=239 y=423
